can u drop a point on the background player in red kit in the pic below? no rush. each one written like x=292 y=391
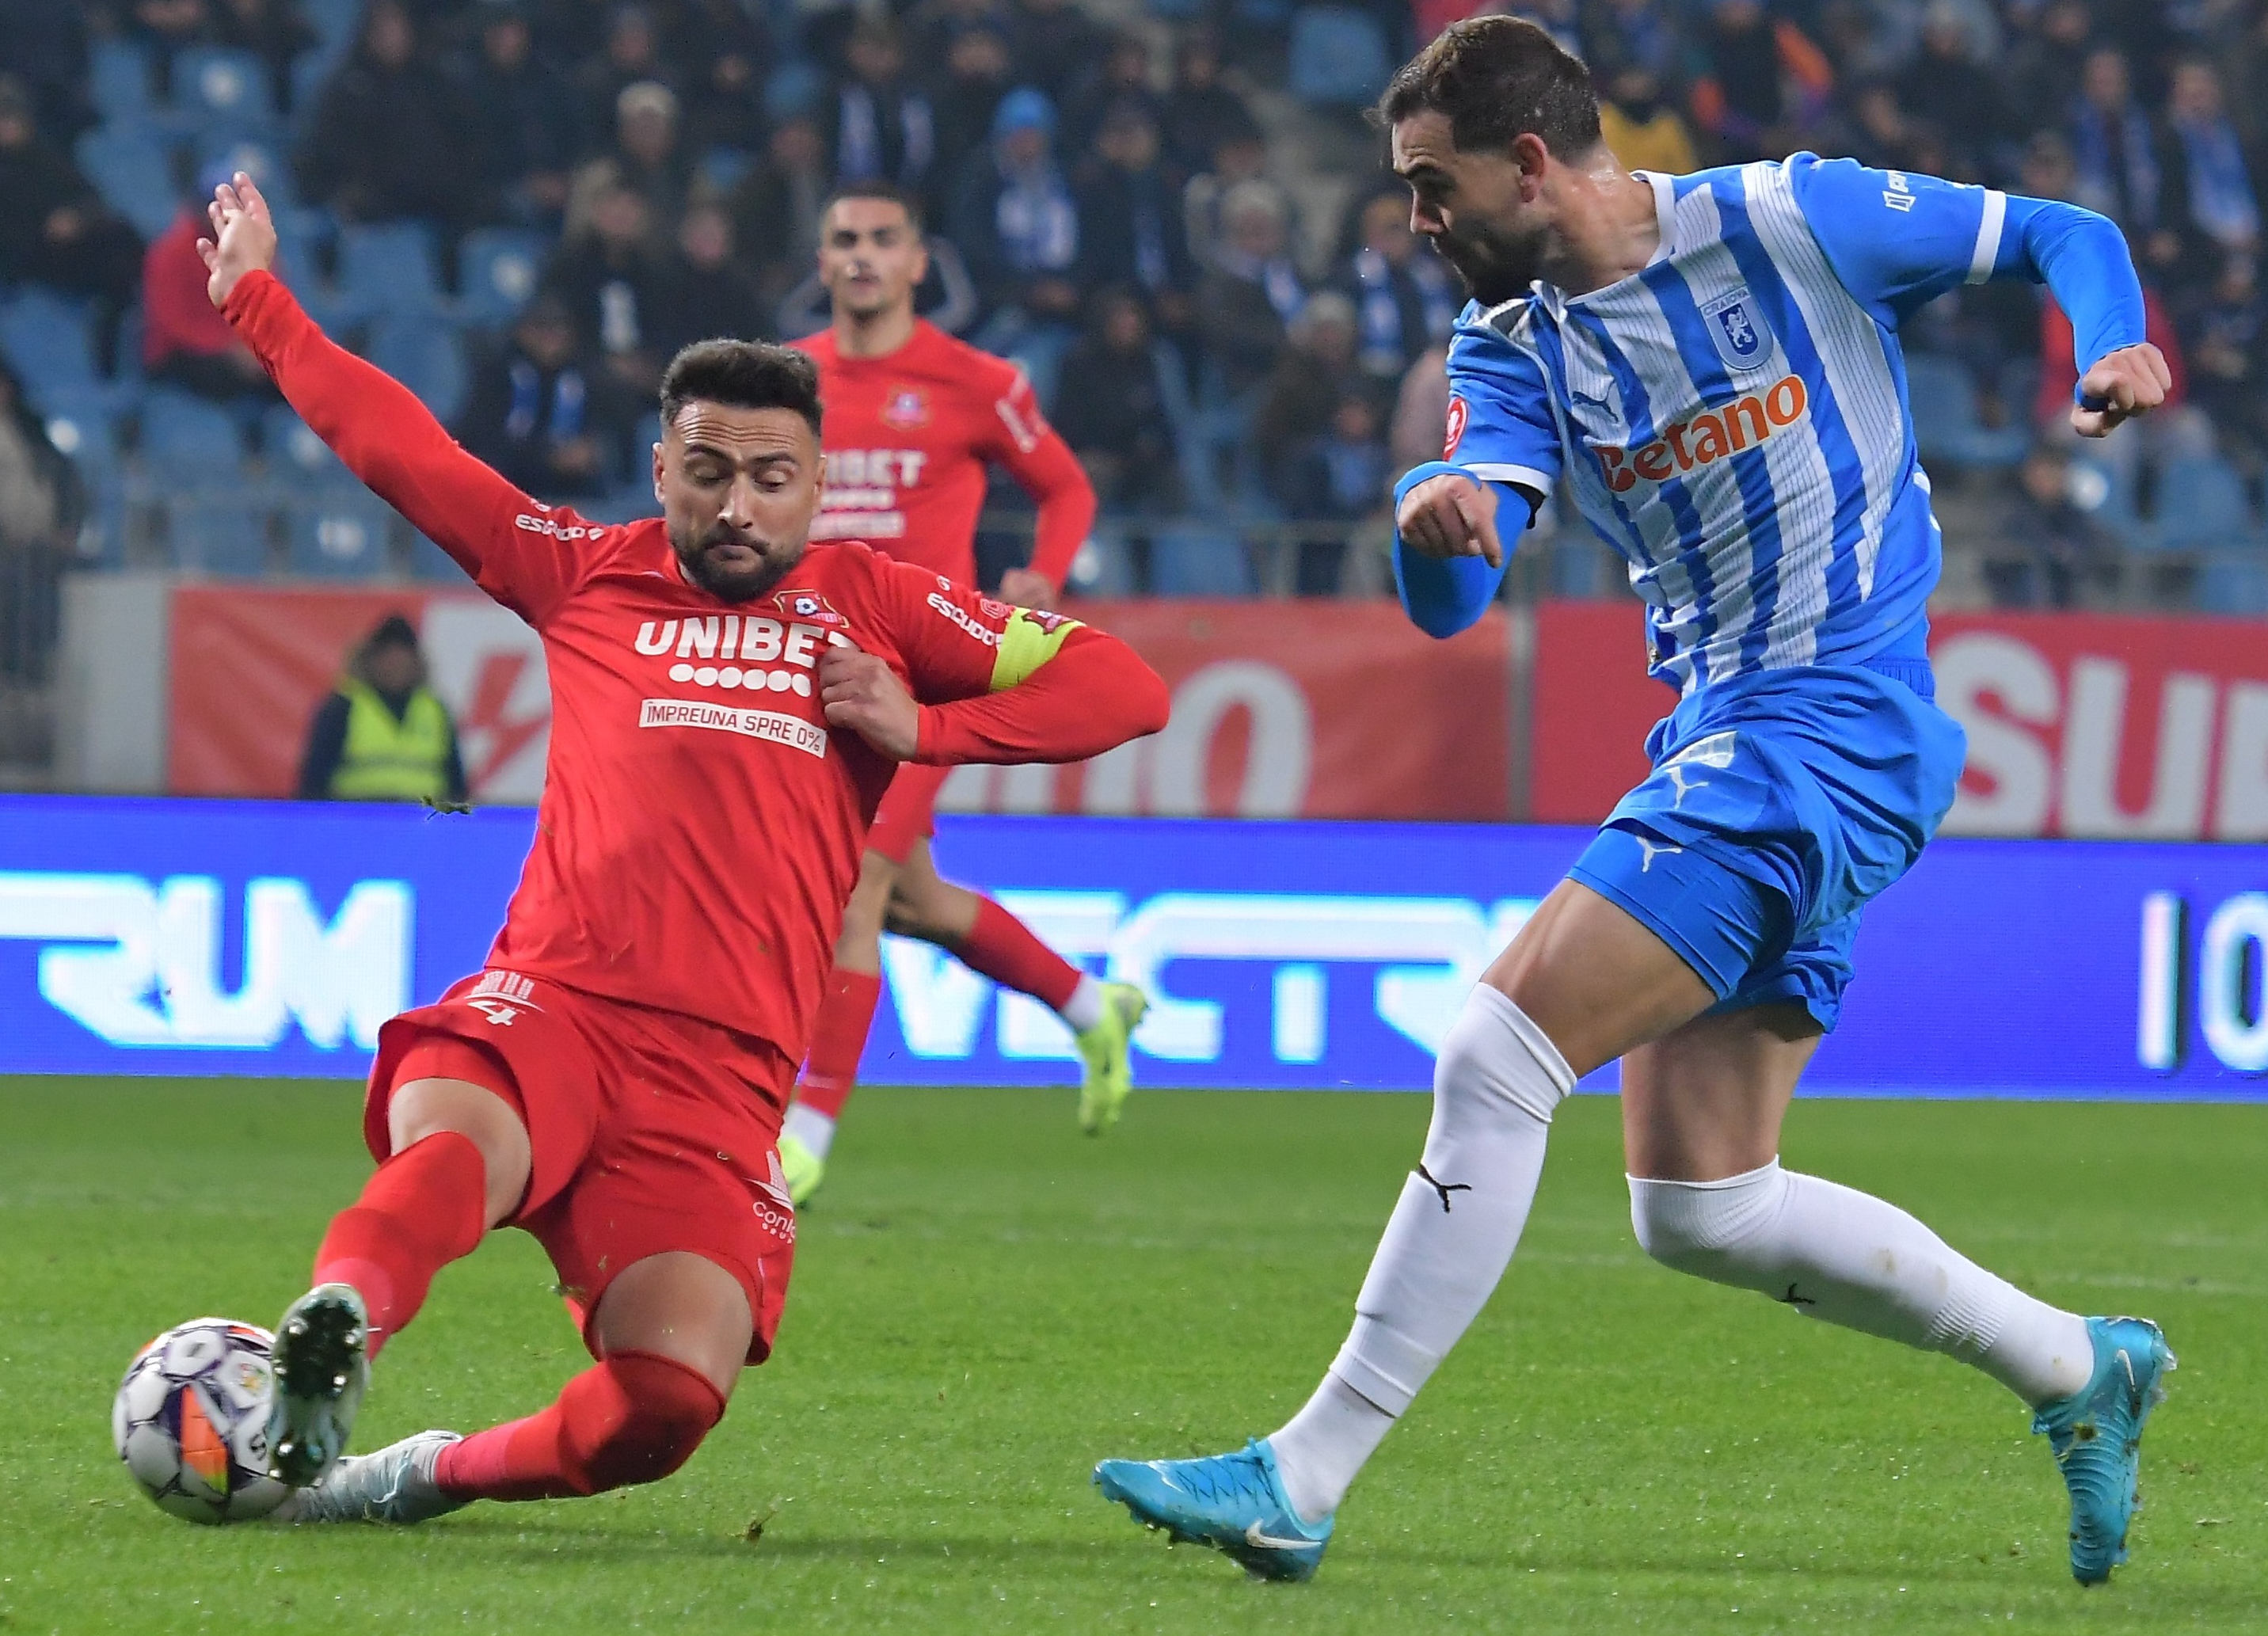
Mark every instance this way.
x=730 y=707
x=913 y=418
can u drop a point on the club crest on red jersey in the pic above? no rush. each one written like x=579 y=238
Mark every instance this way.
x=907 y=408
x=1455 y=433
x=809 y=607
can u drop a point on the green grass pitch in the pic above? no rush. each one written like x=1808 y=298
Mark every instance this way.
x=986 y=1303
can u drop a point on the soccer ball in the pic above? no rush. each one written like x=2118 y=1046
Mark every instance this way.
x=191 y=1421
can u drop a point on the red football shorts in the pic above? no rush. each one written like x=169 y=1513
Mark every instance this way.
x=651 y=1132
x=907 y=813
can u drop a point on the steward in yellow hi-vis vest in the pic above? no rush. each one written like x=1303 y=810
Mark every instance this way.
x=383 y=735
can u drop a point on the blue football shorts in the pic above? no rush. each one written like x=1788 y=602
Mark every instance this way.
x=1780 y=803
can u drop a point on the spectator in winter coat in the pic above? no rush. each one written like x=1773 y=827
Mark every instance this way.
x=1253 y=290
x=1015 y=220
x=388 y=140
x=1130 y=214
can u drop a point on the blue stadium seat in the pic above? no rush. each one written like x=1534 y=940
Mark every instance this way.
x=2201 y=505
x=258 y=157
x=335 y=23
x=187 y=443
x=1199 y=561
x=83 y=428
x=130 y=167
x=2234 y=582
x=427 y=356
x=46 y=338
x=1338 y=57
x=497 y=268
x=389 y=268
x=119 y=81
x=339 y=536
x=428 y=561
x=218 y=534
x=1942 y=395
x=223 y=89
x=311 y=72
x=297 y=458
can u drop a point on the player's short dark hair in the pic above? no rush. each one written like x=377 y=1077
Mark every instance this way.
x=876 y=187
x=1497 y=79
x=741 y=374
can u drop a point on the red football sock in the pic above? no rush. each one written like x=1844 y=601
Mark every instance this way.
x=1004 y=949
x=634 y=1418
x=425 y=1208
x=837 y=1040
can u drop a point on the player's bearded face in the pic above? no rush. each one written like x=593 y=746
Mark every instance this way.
x=1470 y=206
x=1496 y=262
x=738 y=489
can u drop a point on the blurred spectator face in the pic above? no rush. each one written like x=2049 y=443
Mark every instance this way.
x=1196 y=65
x=870 y=257
x=1876 y=110
x=1128 y=66
x=1325 y=330
x=545 y=333
x=16 y=129
x=875 y=57
x=388 y=37
x=630 y=43
x=620 y=218
x=1386 y=229
x=1738 y=17
x=2049 y=171
x=2196 y=98
x=504 y=43
x=1240 y=158
x=796 y=144
x=1024 y=148
x=1254 y=227
x=1944 y=34
x=1124 y=326
x=177 y=17
x=1635 y=91
x=394 y=667
x=2046 y=476
x=2104 y=81
x=978 y=56
x=2066 y=23
x=705 y=238
x=1355 y=420
x=645 y=122
x=1128 y=140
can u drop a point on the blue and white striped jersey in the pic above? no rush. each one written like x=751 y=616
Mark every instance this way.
x=1733 y=418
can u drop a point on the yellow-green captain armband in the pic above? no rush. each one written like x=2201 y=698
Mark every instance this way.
x=1029 y=641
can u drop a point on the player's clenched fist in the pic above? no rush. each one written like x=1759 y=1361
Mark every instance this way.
x=244 y=236
x=2133 y=380
x=864 y=694
x=1451 y=516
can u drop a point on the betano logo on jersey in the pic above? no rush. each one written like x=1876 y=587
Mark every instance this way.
x=1715 y=435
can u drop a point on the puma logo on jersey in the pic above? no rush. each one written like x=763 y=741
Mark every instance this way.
x=1718 y=434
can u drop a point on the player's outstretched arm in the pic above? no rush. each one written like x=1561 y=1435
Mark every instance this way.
x=1042 y=463
x=377 y=427
x=1448 y=558
x=990 y=682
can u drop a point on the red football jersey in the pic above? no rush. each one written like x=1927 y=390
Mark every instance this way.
x=702 y=826
x=907 y=438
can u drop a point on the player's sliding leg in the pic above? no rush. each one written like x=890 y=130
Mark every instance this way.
x=459 y=1162
x=993 y=943
x=672 y=1330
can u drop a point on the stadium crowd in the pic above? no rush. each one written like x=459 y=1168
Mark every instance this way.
x=1173 y=217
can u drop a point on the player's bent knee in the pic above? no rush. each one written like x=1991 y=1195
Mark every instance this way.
x=1495 y=1061
x=635 y=1419
x=1707 y=1228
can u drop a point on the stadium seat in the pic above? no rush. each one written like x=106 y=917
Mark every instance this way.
x=257 y=156
x=310 y=73
x=339 y=536
x=83 y=428
x=187 y=443
x=389 y=268
x=218 y=534
x=223 y=89
x=1942 y=396
x=427 y=356
x=335 y=23
x=497 y=268
x=1338 y=57
x=297 y=458
x=46 y=338
x=2234 y=582
x=2202 y=505
x=118 y=81
x=130 y=168
x=1198 y=562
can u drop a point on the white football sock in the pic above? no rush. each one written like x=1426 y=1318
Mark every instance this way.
x=814 y=1129
x=1083 y=1009
x=1447 y=1243
x=1832 y=1252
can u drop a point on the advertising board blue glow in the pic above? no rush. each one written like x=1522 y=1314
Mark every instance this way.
x=201 y=937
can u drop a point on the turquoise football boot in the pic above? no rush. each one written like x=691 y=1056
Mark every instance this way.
x=2096 y=1435
x=322 y=1367
x=1234 y=1503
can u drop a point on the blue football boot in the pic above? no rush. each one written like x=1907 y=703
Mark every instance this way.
x=1234 y=1503
x=2096 y=1435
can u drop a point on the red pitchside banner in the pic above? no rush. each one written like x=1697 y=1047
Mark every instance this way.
x=2085 y=724
x=1329 y=710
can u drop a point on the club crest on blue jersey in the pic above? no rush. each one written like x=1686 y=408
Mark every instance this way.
x=1743 y=340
